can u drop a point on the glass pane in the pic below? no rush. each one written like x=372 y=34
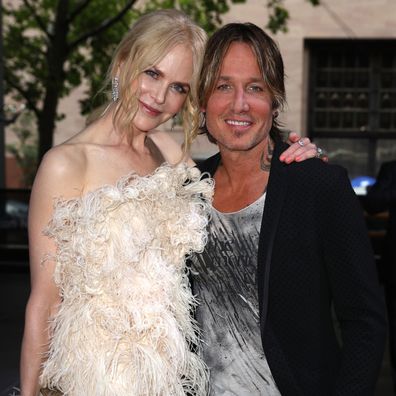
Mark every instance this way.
x=386 y=79
x=322 y=77
x=385 y=100
x=354 y=88
x=385 y=120
x=347 y=120
x=349 y=100
x=335 y=79
x=362 y=60
x=388 y=60
x=363 y=100
x=336 y=59
x=320 y=120
x=349 y=79
x=363 y=79
x=334 y=119
x=362 y=121
x=335 y=100
x=321 y=99
x=322 y=59
x=350 y=60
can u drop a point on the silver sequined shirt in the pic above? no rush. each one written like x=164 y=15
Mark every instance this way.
x=224 y=277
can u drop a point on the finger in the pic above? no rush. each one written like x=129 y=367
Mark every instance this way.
x=292 y=148
x=306 y=150
x=310 y=152
x=302 y=145
x=293 y=137
x=302 y=153
x=322 y=154
x=317 y=153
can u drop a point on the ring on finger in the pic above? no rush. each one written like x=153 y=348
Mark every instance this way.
x=320 y=153
x=301 y=142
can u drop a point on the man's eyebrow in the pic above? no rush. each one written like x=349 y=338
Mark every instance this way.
x=225 y=78
x=253 y=79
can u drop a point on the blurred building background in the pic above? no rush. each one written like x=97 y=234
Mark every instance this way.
x=340 y=60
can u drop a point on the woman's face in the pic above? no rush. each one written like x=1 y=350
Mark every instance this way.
x=163 y=88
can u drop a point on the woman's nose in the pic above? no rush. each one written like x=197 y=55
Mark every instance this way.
x=159 y=94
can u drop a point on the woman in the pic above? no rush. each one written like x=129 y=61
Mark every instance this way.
x=109 y=310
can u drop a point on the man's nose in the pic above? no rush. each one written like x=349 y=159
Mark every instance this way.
x=240 y=102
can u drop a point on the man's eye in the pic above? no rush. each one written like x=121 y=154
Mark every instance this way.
x=256 y=88
x=223 y=87
x=151 y=73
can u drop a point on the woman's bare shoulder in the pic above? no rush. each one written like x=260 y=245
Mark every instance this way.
x=62 y=170
x=170 y=148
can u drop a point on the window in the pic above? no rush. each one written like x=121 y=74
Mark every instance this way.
x=352 y=101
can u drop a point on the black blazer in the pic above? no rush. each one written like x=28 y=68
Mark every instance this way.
x=314 y=254
x=382 y=197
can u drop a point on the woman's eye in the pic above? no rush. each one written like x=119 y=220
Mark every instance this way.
x=151 y=73
x=179 y=88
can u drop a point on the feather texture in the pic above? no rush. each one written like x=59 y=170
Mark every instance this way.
x=124 y=326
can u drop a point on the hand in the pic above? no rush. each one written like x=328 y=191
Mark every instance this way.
x=301 y=149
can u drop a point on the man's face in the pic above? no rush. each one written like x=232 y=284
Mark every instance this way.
x=239 y=111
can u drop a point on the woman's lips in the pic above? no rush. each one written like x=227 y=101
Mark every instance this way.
x=150 y=110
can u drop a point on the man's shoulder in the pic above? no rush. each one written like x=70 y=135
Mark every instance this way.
x=316 y=172
x=309 y=168
x=313 y=165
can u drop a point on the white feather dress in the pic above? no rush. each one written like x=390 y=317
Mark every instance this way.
x=124 y=326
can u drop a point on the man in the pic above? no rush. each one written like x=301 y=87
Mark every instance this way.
x=286 y=244
x=382 y=197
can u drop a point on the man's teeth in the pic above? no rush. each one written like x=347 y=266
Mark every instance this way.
x=238 y=123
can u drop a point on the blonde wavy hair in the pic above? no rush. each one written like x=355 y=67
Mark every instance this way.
x=148 y=41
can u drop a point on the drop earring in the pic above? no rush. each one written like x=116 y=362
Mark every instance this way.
x=174 y=122
x=114 y=89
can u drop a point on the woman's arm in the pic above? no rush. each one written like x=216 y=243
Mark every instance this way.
x=173 y=153
x=53 y=179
